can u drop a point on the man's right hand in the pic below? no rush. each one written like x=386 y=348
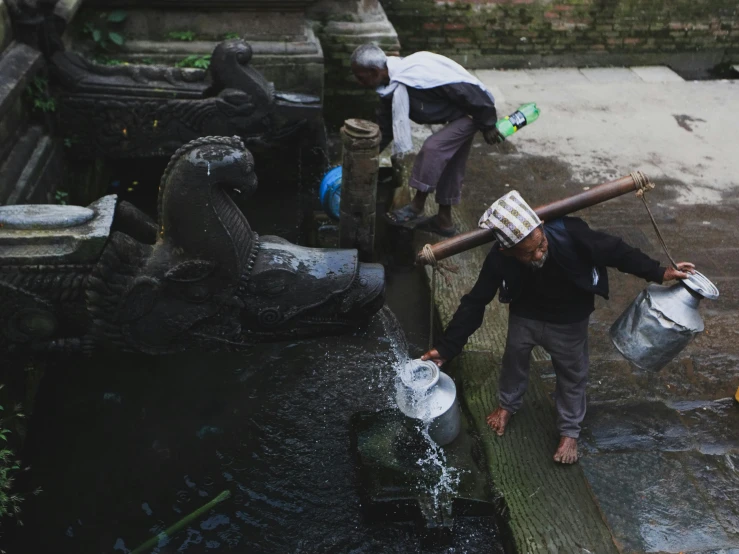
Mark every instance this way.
x=492 y=136
x=434 y=356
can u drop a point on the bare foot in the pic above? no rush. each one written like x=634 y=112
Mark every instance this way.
x=498 y=420
x=566 y=451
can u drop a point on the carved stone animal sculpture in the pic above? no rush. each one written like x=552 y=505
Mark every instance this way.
x=199 y=279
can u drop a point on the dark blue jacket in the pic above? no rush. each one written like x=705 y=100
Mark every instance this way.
x=580 y=251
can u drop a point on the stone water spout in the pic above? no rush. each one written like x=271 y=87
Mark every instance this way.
x=107 y=276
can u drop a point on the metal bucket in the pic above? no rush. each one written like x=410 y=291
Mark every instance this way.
x=661 y=321
x=428 y=394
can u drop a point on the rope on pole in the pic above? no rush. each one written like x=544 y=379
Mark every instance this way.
x=428 y=256
x=643 y=185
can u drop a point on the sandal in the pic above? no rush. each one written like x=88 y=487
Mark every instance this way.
x=432 y=226
x=405 y=217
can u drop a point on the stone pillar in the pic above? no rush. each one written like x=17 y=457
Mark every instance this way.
x=361 y=164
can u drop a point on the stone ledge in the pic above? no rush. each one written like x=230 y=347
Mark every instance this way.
x=166 y=50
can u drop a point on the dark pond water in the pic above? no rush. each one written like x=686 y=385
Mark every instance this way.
x=124 y=445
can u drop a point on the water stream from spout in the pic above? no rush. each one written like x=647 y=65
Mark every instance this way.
x=434 y=458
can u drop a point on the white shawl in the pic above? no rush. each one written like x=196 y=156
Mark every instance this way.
x=421 y=70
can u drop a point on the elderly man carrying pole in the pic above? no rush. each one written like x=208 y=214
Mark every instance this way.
x=549 y=274
x=428 y=88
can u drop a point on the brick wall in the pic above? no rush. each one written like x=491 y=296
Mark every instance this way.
x=513 y=33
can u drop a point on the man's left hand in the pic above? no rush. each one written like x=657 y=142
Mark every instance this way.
x=434 y=356
x=683 y=271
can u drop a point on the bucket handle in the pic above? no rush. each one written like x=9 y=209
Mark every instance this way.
x=644 y=184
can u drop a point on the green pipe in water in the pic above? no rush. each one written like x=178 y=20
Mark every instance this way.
x=154 y=541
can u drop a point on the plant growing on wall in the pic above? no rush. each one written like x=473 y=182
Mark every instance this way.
x=199 y=62
x=60 y=196
x=105 y=29
x=40 y=96
x=9 y=467
x=187 y=36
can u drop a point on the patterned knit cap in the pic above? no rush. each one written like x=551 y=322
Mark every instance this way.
x=510 y=218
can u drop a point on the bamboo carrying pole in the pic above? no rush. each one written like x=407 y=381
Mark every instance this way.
x=547 y=212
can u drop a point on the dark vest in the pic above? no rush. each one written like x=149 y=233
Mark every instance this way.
x=563 y=251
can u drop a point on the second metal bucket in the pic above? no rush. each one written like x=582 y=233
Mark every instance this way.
x=661 y=321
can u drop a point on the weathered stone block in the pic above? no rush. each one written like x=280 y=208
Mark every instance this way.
x=65 y=244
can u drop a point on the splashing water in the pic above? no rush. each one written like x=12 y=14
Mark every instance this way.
x=449 y=477
x=434 y=458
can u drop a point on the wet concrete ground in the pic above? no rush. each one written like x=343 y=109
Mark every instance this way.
x=660 y=451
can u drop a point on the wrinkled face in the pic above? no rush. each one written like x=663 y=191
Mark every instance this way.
x=296 y=291
x=371 y=77
x=533 y=251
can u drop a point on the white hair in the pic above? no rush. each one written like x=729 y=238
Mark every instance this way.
x=369 y=56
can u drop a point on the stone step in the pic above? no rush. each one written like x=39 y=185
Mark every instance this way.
x=15 y=163
x=41 y=175
x=18 y=65
x=32 y=169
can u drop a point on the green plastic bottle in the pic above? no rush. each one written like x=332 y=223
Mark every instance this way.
x=525 y=115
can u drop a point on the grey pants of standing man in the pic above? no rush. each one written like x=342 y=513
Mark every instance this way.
x=567 y=344
x=441 y=162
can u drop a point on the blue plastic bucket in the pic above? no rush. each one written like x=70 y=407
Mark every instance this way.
x=329 y=192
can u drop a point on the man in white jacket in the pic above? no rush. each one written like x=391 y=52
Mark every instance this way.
x=428 y=89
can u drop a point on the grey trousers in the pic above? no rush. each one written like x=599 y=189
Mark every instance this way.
x=441 y=162
x=567 y=344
